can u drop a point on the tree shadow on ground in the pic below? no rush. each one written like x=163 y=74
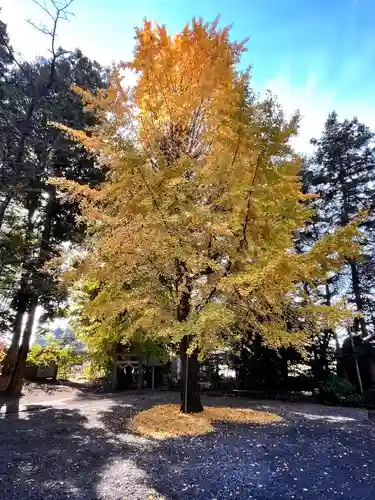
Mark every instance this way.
x=89 y=453
x=58 y=453
x=297 y=458
x=9 y=405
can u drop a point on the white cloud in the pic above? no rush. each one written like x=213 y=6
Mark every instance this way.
x=314 y=103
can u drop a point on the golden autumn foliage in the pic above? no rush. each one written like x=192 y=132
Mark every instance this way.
x=192 y=232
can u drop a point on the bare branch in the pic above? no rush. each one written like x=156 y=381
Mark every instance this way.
x=40 y=27
x=60 y=12
x=43 y=6
x=60 y=8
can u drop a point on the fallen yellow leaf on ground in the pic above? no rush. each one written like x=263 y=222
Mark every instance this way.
x=165 y=421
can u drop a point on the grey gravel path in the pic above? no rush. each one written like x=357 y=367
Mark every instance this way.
x=79 y=449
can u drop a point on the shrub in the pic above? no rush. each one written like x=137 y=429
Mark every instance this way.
x=98 y=367
x=339 y=391
x=64 y=357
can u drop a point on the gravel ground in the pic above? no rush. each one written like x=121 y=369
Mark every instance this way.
x=79 y=449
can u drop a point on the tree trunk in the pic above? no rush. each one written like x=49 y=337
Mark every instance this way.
x=20 y=304
x=11 y=355
x=190 y=396
x=328 y=296
x=357 y=370
x=352 y=264
x=16 y=380
x=358 y=298
x=140 y=377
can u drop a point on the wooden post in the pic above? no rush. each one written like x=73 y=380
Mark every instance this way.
x=356 y=362
x=114 y=375
x=140 y=376
x=153 y=378
x=186 y=382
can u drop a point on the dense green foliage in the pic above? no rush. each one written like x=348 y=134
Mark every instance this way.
x=339 y=391
x=35 y=221
x=65 y=357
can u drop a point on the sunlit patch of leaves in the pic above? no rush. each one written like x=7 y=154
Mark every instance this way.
x=166 y=421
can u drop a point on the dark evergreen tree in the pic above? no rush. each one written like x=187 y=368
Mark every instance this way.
x=46 y=220
x=342 y=174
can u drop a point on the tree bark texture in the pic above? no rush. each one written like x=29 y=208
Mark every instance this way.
x=358 y=298
x=16 y=378
x=190 y=396
x=14 y=386
x=20 y=303
x=11 y=355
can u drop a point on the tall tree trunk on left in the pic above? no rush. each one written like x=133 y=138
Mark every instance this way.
x=16 y=379
x=11 y=355
x=20 y=301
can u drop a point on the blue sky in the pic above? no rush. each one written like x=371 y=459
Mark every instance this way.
x=317 y=55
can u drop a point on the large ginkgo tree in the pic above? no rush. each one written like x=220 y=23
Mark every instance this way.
x=191 y=235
